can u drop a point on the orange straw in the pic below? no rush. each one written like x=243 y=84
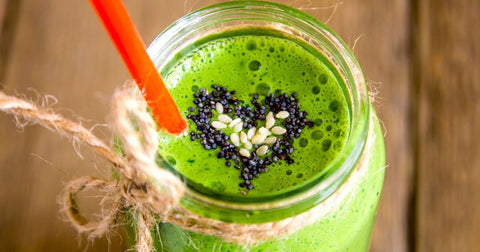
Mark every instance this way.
x=129 y=44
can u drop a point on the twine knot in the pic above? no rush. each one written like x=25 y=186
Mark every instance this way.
x=143 y=186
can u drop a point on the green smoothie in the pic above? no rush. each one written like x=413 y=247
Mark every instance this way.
x=267 y=64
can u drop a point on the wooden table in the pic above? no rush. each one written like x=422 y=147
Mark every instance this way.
x=420 y=57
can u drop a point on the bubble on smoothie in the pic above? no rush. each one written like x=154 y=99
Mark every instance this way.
x=326 y=144
x=337 y=145
x=333 y=106
x=271 y=49
x=251 y=45
x=299 y=175
x=318 y=122
x=289 y=172
x=171 y=160
x=329 y=127
x=322 y=78
x=317 y=134
x=316 y=90
x=194 y=88
x=303 y=142
x=278 y=92
x=338 y=133
x=254 y=65
x=262 y=89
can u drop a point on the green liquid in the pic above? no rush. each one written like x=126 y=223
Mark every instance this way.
x=264 y=63
x=258 y=64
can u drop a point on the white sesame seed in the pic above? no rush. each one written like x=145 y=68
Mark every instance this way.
x=243 y=137
x=282 y=114
x=219 y=107
x=224 y=118
x=251 y=132
x=234 y=122
x=277 y=130
x=258 y=138
x=244 y=152
x=264 y=131
x=269 y=115
x=270 y=121
x=271 y=140
x=235 y=139
x=262 y=150
x=238 y=127
x=219 y=125
x=247 y=145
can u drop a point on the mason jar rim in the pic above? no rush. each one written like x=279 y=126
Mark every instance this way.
x=300 y=26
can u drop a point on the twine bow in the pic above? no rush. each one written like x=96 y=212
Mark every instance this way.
x=144 y=187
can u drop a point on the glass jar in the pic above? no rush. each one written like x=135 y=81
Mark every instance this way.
x=344 y=196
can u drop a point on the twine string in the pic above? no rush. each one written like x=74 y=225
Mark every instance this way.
x=149 y=191
x=138 y=168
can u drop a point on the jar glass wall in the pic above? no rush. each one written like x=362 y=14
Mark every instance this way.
x=347 y=190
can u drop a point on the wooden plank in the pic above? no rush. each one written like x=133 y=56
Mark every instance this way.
x=447 y=57
x=59 y=48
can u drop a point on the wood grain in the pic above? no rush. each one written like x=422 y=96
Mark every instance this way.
x=447 y=97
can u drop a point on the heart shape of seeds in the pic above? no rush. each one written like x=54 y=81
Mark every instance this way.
x=251 y=136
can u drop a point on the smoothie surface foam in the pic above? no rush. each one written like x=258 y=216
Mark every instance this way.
x=257 y=62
